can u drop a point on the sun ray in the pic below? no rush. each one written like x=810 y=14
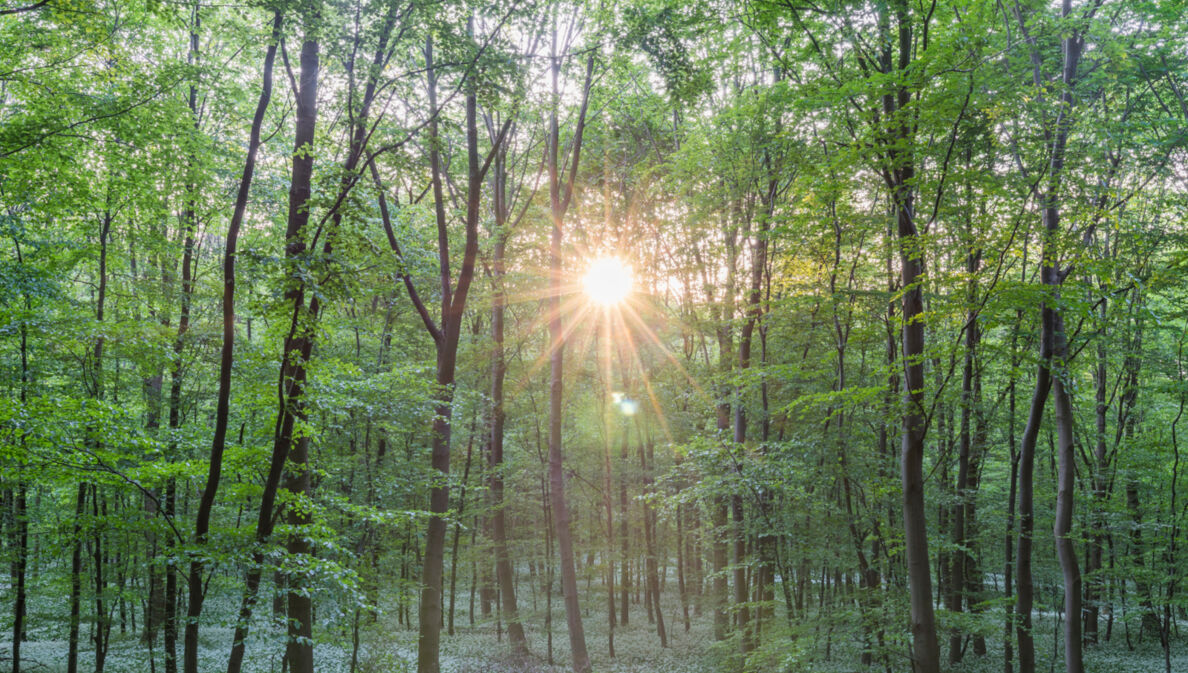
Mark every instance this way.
x=664 y=350
x=633 y=350
x=605 y=288
x=568 y=327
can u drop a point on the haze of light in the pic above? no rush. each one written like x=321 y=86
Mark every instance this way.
x=607 y=281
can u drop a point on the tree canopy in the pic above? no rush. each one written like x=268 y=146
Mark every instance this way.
x=742 y=335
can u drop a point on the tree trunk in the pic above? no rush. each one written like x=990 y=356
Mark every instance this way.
x=900 y=175
x=80 y=500
x=226 y=361
x=963 y=560
x=21 y=538
x=458 y=530
x=1053 y=364
x=573 y=615
x=560 y=196
x=95 y=392
x=20 y=521
x=189 y=224
x=650 y=562
x=624 y=538
x=925 y=651
x=102 y=628
x=297 y=348
x=299 y=648
x=446 y=338
x=1062 y=529
x=504 y=571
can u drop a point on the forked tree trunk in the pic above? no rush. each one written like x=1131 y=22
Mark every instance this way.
x=446 y=339
x=226 y=359
x=296 y=351
x=1053 y=361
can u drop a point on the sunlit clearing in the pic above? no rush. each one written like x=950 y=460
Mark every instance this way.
x=607 y=281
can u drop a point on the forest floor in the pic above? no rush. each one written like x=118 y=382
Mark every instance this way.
x=387 y=647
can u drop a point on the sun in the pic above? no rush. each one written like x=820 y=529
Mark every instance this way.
x=607 y=281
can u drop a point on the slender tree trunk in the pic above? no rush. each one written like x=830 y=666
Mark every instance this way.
x=607 y=327
x=1062 y=529
x=1009 y=546
x=573 y=614
x=549 y=553
x=299 y=648
x=624 y=537
x=1027 y=445
x=1096 y=543
x=80 y=500
x=169 y=630
x=901 y=177
x=430 y=613
x=723 y=315
x=297 y=348
x=21 y=537
x=458 y=530
x=560 y=196
x=189 y=223
x=102 y=628
x=963 y=560
x=608 y=481
x=446 y=338
x=20 y=505
x=651 y=559
x=504 y=571
x=1054 y=353
x=226 y=360
x=96 y=392
x=926 y=653
x=682 y=561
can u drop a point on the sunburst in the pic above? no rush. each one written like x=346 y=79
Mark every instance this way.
x=608 y=281
x=603 y=313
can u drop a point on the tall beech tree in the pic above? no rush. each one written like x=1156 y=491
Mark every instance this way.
x=1052 y=374
x=195 y=579
x=562 y=179
x=445 y=331
x=290 y=452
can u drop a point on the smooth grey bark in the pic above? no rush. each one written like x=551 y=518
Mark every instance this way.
x=1056 y=135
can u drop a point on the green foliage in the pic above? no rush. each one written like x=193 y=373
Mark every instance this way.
x=716 y=132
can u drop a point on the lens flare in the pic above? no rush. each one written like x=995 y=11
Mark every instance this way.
x=607 y=281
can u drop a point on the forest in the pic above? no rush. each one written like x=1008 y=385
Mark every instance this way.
x=617 y=336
